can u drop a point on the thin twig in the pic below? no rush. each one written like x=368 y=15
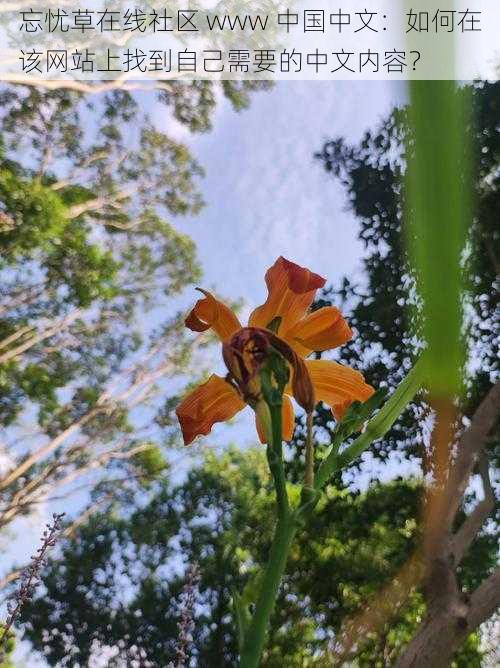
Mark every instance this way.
x=30 y=578
x=186 y=622
x=309 y=473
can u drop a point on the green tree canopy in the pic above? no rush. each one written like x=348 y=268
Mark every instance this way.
x=381 y=304
x=220 y=519
x=118 y=581
x=91 y=265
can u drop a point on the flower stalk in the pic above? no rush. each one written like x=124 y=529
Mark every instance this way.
x=267 y=365
x=290 y=519
x=274 y=377
x=375 y=428
x=274 y=453
x=309 y=474
x=255 y=637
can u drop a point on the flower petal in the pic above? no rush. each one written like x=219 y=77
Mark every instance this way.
x=291 y=291
x=323 y=329
x=214 y=401
x=288 y=421
x=208 y=313
x=337 y=385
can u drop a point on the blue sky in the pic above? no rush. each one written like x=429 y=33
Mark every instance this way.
x=267 y=196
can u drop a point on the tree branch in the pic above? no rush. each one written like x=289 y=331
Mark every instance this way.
x=24 y=297
x=134 y=393
x=473 y=523
x=79 y=171
x=49 y=447
x=10 y=577
x=450 y=617
x=38 y=338
x=469 y=446
x=5 y=343
x=22 y=501
x=99 y=203
x=484 y=601
x=119 y=83
x=438 y=632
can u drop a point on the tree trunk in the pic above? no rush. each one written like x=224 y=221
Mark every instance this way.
x=436 y=642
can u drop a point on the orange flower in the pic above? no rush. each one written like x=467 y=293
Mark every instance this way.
x=284 y=323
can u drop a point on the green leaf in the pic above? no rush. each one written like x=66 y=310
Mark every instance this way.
x=380 y=424
x=353 y=420
x=438 y=213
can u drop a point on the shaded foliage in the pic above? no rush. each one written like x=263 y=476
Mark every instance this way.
x=381 y=305
x=118 y=581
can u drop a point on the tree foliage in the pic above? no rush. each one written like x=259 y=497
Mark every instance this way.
x=118 y=581
x=382 y=304
x=91 y=187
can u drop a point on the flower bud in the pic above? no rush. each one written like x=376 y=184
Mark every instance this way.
x=302 y=386
x=252 y=348
x=244 y=356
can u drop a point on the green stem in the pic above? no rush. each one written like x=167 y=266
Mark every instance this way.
x=275 y=460
x=288 y=521
x=379 y=425
x=255 y=637
x=309 y=472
